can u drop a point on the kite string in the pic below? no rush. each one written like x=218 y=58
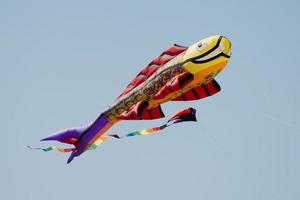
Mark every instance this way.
x=218 y=144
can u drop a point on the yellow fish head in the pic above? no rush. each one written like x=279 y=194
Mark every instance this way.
x=210 y=54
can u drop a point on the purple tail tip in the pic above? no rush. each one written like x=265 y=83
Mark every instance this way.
x=70 y=158
x=51 y=137
x=74 y=154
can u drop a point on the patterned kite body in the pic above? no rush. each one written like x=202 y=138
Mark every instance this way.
x=177 y=74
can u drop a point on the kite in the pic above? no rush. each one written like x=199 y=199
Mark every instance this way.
x=178 y=74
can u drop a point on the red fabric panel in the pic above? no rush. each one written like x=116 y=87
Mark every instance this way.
x=145 y=114
x=154 y=65
x=212 y=88
x=173 y=85
x=156 y=113
x=200 y=92
x=137 y=80
x=69 y=140
x=189 y=95
x=181 y=112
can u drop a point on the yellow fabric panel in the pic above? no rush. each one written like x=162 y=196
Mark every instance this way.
x=196 y=68
x=194 y=51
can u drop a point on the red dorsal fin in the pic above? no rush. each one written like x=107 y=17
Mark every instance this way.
x=200 y=92
x=154 y=65
x=140 y=112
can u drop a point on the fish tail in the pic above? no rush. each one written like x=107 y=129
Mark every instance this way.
x=90 y=135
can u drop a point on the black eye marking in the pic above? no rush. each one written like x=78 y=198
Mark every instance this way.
x=199 y=45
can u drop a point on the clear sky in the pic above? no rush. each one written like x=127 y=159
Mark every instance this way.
x=63 y=62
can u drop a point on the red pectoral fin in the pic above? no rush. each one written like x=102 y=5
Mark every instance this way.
x=140 y=111
x=177 y=83
x=200 y=92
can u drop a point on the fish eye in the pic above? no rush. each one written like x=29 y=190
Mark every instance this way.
x=201 y=46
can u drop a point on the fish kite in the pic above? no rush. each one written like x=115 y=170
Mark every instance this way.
x=178 y=74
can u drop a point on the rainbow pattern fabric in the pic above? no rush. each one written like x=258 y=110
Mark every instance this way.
x=52 y=148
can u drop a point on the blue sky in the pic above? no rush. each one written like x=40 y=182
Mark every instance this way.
x=63 y=62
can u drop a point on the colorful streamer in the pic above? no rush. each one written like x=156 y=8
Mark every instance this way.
x=52 y=148
x=188 y=114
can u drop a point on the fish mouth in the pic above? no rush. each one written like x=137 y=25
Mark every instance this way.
x=222 y=48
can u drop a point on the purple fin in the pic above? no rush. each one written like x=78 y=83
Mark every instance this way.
x=69 y=136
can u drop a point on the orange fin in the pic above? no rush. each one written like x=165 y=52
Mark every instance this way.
x=200 y=92
x=140 y=112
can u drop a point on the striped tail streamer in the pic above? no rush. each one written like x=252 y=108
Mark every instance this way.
x=185 y=115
